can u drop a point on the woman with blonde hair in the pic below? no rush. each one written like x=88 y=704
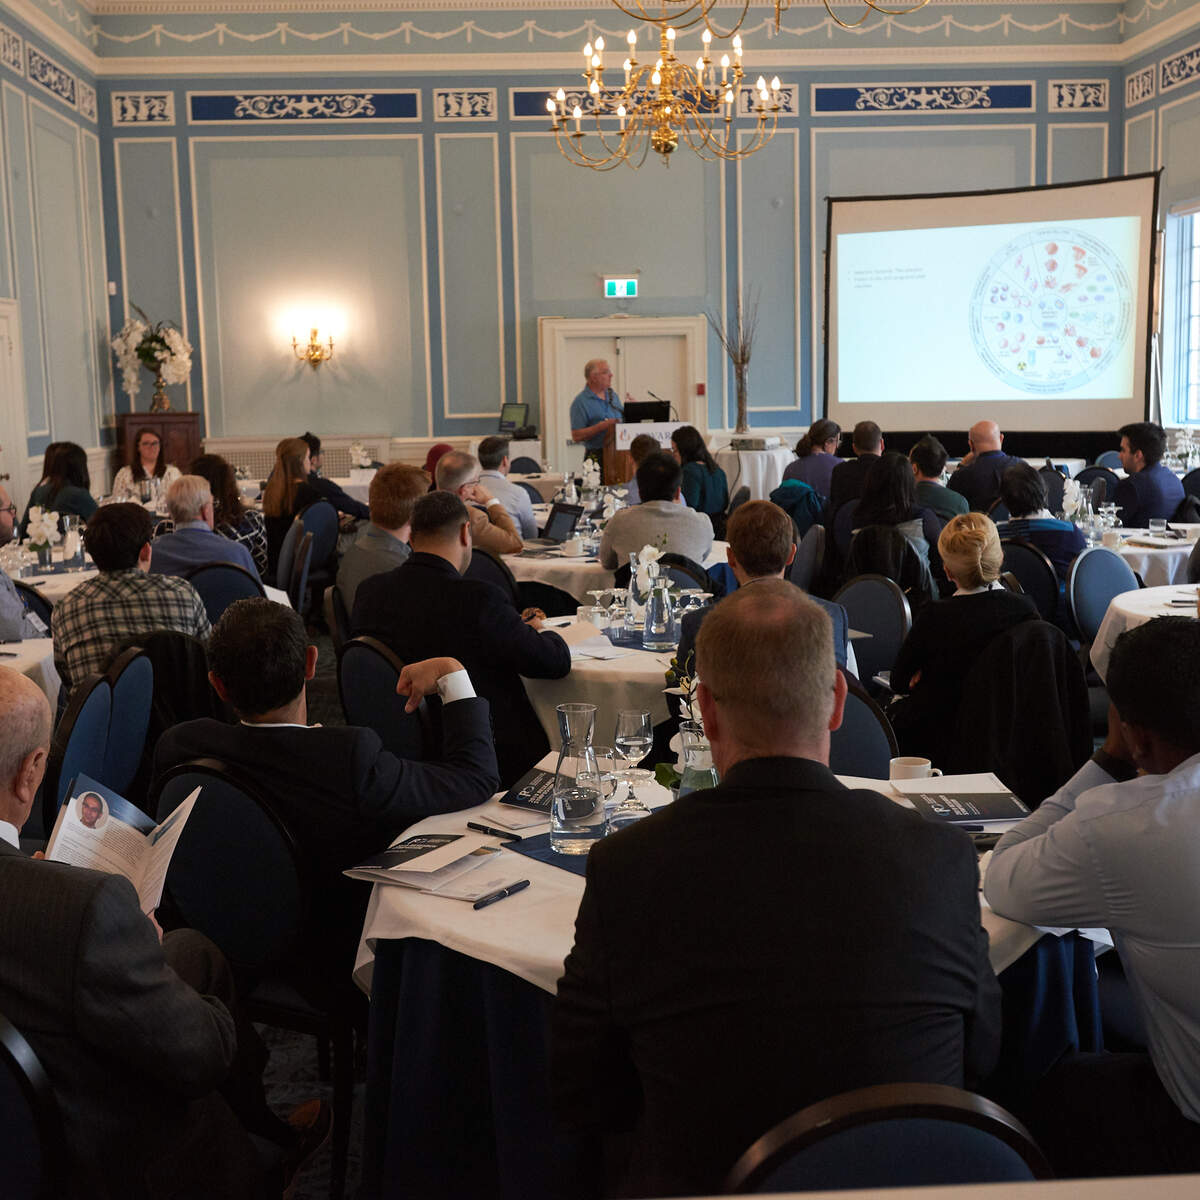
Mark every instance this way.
x=286 y=493
x=948 y=636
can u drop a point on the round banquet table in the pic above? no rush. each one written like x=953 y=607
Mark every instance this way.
x=59 y=584
x=1130 y=609
x=356 y=491
x=759 y=470
x=1160 y=561
x=545 y=484
x=34 y=657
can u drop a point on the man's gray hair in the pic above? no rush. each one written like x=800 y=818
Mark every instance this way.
x=186 y=498
x=25 y=713
x=455 y=468
x=591 y=365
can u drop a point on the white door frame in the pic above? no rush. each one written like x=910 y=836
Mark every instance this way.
x=554 y=337
x=12 y=371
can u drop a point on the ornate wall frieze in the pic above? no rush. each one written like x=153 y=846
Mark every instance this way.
x=48 y=74
x=302 y=108
x=143 y=108
x=789 y=100
x=1179 y=69
x=1141 y=86
x=12 y=50
x=1078 y=95
x=87 y=101
x=907 y=98
x=464 y=104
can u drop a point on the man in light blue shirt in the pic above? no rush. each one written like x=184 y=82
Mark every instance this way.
x=596 y=409
x=493 y=458
x=194 y=542
x=1117 y=850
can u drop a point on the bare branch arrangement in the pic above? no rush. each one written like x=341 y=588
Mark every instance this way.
x=737 y=340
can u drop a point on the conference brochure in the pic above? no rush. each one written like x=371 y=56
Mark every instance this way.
x=977 y=801
x=439 y=864
x=100 y=830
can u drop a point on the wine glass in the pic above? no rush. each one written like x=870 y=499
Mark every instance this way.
x=631 y=809
x=606 y=760
x=632 y=737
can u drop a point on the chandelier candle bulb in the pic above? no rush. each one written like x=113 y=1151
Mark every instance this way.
x=737 y=47
x=578 y=118
x=621 y=114
x=599 y=44
x=724 y=69
x=628 y=67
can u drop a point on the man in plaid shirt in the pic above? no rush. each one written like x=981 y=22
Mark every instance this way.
x=123 y=599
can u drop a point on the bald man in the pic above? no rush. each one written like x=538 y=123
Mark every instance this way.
x=978 y=476
x=134 y=1053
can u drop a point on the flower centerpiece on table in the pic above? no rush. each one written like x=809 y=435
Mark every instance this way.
x=42 y=532
x=358 y=455
x=157 y=346
x=1072 y=498
x=646 y=556
x=590 y=474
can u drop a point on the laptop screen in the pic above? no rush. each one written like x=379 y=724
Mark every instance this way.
x=561 y=522
x=512 y=417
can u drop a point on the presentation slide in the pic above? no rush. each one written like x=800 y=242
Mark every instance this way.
x=1039 y=323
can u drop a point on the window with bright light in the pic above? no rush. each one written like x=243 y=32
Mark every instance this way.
x=1191 y=323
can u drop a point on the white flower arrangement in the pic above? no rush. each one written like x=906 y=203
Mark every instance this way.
x=1072 y=497
x=358 y=456
x=646 y=555
x=159 y=347
x=591 y=473
x=42 y=529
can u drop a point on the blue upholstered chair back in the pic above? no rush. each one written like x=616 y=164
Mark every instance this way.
x=1096 y=576
x=1055 y=482
x=80 y=744
x=864 y=743
x=1035 y=573
x=297 y=587
x=220 y=584
x=1110 y=459
x=31 y=1140
x=810 y=554
x=999 y=511
x=738 y=499
x=524 y=465
x=877 y=606
x=492 y=569
x=321 y=520
x=236 y=874
x=367 y=675
x=131 y=678
x=1088 y=476
x=1191 y=483
x=287 y=554
x=534 y=495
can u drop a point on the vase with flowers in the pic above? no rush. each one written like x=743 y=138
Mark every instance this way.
x=160 y=348
x=41 y=533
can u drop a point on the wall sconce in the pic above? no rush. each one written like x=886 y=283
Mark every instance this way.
x=314 y=353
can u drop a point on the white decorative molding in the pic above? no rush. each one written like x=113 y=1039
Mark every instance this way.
x=464 y=104
x=1141 y=86
x=1078 y=95
x=143 y=108
x=872 y=99
x=1179 y=69
x=12 y=50
x=87 y=101
x=303 y=108
x=51 y=76
x=789 y=100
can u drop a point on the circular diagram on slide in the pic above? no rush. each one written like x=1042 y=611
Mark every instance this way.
x=1051 y=310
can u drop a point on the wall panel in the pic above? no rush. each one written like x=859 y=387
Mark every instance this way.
x=1076 y=151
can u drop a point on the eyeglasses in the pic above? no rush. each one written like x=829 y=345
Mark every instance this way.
x=9 y=508
x=150 y=442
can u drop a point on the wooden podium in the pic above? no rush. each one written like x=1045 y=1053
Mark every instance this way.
x=616 y=464
x=179 y=433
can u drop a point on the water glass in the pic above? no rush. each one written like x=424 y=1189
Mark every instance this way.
x=698 y=769
x=72 y=543
x=1158 y=526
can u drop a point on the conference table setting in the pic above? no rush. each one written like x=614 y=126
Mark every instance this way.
x=759 y=470
x=457 y=1098
x=1131 y=609
x=34 y=658
x=1159 y=558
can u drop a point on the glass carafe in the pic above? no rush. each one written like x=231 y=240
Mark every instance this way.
x=634 y=597
x=658 y=628
x=698 y=769
x=577 y=807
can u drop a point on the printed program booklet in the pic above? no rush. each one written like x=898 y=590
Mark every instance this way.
x=533 y=791
x=973 y=800
x=98 y=829
x=436 y=863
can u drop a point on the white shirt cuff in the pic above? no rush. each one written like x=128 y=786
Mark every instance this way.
x=491 y=501
x=455 y=686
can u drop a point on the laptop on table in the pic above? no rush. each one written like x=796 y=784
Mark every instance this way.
x=560 y=525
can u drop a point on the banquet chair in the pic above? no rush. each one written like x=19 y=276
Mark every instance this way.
x=737 y=500
x=492 y=569
x=1193 y=565
x=1088 y=476
x=1191 y=483
x=1096 y=576
x=80 y=744
x=998 y=511
x=287 y=554
x=238 y=876
x=131 y=677
x=34 y=602
x=220 y=584
x=297 y=587
x=534 y=495
x=1035 y=573
x=524 y=465
x=321 y=520
x=810 y=553
x=1110 y=459
x=884 y=550
x=679 y=569
x=1011 y=583
x=553 y=601
x=864 y=744
x=875 y=605
x=333 y=605
x=890 y=1135
x=368 y=672
x=32 y=1146
x=1054 y=482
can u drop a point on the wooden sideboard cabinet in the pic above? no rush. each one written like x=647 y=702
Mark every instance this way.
x=179 y=431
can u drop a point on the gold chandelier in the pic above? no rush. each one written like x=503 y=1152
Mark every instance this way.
x=782 y=5
x=660 y=104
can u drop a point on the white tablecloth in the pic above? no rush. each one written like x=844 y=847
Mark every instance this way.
x=55 y=587
x=1163 y=563
x=530 y=934
x=546 y=484
x=34 y=657
x=356 y=491
x=1130 y=609
x=759 y=470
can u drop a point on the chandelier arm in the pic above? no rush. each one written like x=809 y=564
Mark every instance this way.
x=896 y=12
x=846 y=24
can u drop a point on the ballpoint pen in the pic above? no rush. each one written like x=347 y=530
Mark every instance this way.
x=500 y=833
x=492 y=897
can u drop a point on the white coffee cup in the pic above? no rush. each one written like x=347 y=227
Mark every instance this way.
x=911 y=768
x=1111 y=538
x=573 y=547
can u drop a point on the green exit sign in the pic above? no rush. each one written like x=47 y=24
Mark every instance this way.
x=620 y=289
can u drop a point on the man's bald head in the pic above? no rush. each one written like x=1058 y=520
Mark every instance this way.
x=25 y=717
x=984 y=436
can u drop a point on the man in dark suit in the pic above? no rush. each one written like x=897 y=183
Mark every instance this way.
x=806 y=939
x=1149 y=490
x=849 y=478
x=343 y=796
x=427 y=608
x=978 y=475
x=136 y=1037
